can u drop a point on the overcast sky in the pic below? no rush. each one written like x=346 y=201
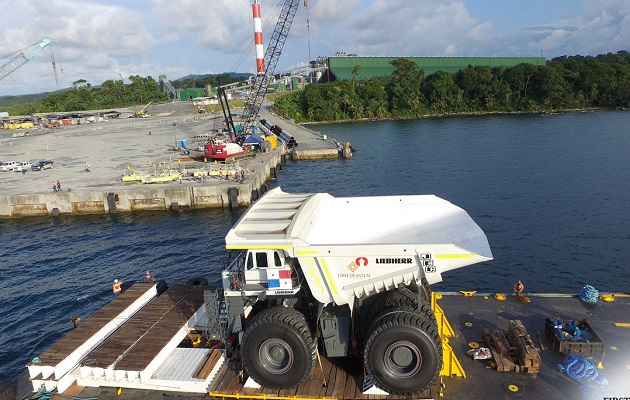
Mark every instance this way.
x=99 y=40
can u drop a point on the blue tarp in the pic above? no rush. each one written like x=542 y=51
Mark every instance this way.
x=254 y=139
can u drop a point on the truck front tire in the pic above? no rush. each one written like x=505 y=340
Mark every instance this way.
x=403 y=353
x=277 y=349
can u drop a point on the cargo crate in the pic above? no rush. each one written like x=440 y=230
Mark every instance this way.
x=594 y=349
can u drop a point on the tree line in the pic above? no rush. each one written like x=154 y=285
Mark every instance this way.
x=562 y=83
x=196 y=81
x=108 y=95
x=83 y=96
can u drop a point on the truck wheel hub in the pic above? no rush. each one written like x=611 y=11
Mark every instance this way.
x=276 y=356
x=403 y=359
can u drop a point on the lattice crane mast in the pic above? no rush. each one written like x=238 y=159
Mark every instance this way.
x=24 y=56
x=272 y=54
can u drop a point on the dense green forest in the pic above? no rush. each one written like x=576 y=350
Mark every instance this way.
x=83 y=96
x=196 y=81
x=109 y=94
x=563 y=83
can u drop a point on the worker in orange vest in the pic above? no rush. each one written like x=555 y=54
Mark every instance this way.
x=518 y=288
x=116 y=287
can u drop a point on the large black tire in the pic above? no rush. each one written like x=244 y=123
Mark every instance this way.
x=277 y=349
x=161 y=286
x=7 y=391
x=198 y=281
x=401 y=298
x=403 y=353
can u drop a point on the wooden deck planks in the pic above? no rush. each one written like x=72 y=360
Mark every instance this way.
x=208 y=363
x=141 y=326
x=143 y=351
x=341 y=384
x=75 y=338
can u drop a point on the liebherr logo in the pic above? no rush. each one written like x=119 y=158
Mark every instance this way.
x=394 y=260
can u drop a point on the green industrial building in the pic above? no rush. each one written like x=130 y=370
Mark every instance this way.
x=190 y=93
x=340 y=67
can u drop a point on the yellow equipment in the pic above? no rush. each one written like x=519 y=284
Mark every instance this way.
x=140 y=113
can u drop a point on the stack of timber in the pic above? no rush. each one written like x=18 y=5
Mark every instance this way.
x=513 y=351
x=527 y=354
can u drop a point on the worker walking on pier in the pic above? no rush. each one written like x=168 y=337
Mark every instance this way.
x=116 y=287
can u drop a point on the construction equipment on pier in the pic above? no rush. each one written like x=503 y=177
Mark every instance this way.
x=142 y=112
x=265 y=67
x=25 y=55
x=272 y=55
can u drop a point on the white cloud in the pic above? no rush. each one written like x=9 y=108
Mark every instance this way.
x=99 y=39
x=217 y=25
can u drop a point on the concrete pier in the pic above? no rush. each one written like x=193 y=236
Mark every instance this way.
x=116 y=147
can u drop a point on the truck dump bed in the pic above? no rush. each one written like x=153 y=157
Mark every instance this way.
x=321 y=219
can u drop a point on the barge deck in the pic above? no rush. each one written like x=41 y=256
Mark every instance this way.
x=469 y=314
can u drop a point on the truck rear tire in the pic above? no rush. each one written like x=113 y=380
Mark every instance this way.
x=401 y=298
x=403 y=353
x=277 y=349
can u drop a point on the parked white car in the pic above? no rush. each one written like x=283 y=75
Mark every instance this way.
x=8 y=166
x=22 y=166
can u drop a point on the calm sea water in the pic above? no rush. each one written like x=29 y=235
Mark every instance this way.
x=551 y=193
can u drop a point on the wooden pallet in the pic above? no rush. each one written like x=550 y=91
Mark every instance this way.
x=514 y=351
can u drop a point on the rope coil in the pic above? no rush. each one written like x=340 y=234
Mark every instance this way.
x=589 y=294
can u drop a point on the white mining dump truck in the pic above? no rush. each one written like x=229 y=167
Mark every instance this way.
x=349 y=274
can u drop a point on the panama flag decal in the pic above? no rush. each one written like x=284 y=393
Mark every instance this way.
x=279 y=278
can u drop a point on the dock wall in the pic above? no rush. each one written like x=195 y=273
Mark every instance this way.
x=188 y=195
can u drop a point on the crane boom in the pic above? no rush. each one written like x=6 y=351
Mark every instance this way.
x=23 y=57
x=272 y=54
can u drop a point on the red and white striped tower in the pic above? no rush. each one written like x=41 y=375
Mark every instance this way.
x=258 y=39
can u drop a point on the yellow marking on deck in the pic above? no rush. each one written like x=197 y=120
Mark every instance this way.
x=500 y=296
x=445 y=256
x=473 y=345
x=328 y=276
x=613 y=348
x=623 y=324
x=468 y=293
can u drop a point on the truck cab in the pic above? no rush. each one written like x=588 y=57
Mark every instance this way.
x=260 y=271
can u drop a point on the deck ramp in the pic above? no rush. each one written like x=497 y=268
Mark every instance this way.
x=55 y=363
x=133 y=354
x=177 y=373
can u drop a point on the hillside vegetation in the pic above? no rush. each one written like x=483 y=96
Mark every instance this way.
x=563 y=83
x=108 y=95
